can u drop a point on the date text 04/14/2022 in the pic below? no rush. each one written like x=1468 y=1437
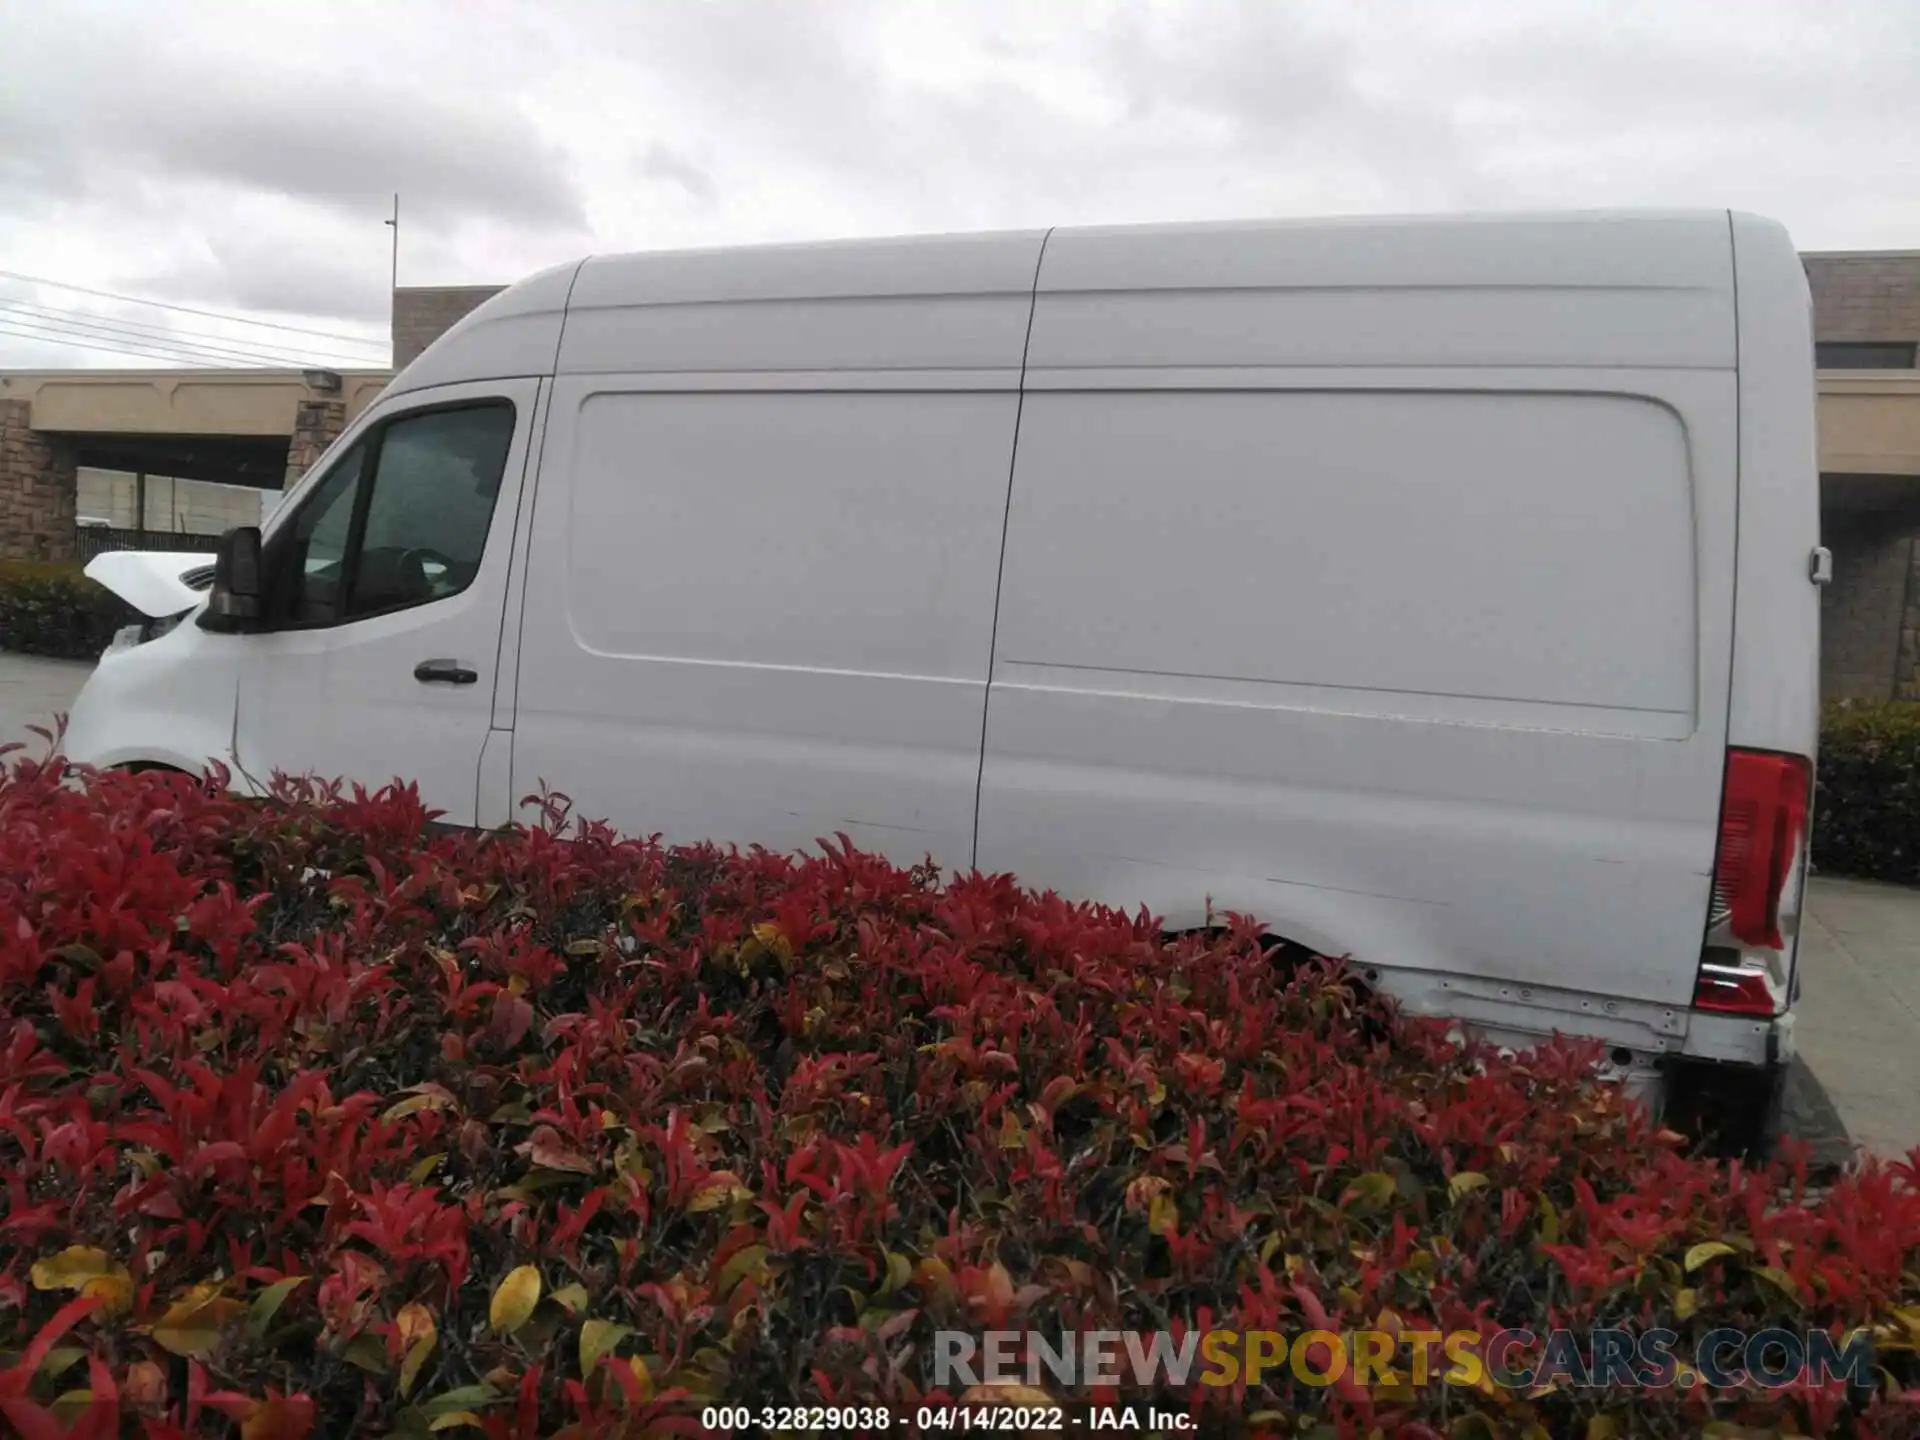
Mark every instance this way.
x=943 y=1419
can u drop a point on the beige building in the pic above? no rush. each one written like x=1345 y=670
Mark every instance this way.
x=1866 y=322
x=64 y=434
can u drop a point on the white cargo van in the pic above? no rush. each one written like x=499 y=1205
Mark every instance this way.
x=1440 y=592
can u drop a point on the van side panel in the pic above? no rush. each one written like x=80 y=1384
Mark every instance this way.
x=1390 y=603
x=765 y=618
x=759 y=603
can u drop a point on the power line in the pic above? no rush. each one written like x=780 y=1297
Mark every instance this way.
x=177 y=350
x=106 y=347
x=106 y=329
x=188 y=310
x=138 y=329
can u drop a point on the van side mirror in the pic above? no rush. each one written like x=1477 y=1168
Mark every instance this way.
x=236 y=577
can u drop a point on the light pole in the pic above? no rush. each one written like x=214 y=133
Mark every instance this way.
x=393 y=279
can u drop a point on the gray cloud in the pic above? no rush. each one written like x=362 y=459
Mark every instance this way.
x=241 y=155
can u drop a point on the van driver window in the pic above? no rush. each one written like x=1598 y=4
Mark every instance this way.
x=435 y=479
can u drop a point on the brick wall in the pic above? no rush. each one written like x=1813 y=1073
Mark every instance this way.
x=36 y=489
x=423 y=313
x=1868 y=296
x=316 y=425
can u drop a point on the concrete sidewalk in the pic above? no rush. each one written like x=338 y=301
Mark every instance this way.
x=32 y=690
x=1857 y=1025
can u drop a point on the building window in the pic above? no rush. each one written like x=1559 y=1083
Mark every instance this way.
x=1863 y=354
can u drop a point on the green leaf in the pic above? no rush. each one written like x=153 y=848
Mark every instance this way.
x=368 y=1352
x=597 y=1338
x=749 y=1260
x=1706 y=1250
x=1373 y=1190
x=465 y=1398
x=1778 y=1279
x=58 y=1361
x=1464 y=1184
x=268 y=1302
x=1549 y=1222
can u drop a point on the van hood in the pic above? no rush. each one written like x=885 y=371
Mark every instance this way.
x=154 y=583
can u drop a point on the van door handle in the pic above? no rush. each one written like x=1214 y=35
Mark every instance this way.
x=452 y=672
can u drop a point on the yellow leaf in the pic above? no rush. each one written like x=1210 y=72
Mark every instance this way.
x=454 y=1418
x=1373 y=1189
x=571 y=1297
x=272 y=1420
x=192 y=1325
x=583 y=947
x=643 y=1375
x=72 y=1268
x=1163 y=1215
x=1012 y=1135
x=418 y=1335
x=513 y=1302
x=1703 y=1252
x=723 y=1189
x=771 y=937
x=419 y=1173
x=1685 y=1303
x=268 y=1302
x=115 y=1290
x=597 y=1337
x=933 y=1277
x=1464 y=1184
x=1601 y=1427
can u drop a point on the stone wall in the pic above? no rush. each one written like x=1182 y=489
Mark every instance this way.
x=316 y=425
x=423 y=313
x=36 y=489
x=1872 y=295
x=1861 y=611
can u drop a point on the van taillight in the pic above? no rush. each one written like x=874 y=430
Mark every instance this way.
x=1763 y=818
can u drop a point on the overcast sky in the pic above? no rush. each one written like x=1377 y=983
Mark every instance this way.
x=239 y=158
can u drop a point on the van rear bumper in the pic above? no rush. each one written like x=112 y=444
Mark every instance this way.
x=1739 y=1039
x=1641 y=1038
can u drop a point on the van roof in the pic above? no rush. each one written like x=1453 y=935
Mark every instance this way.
x=683 y=295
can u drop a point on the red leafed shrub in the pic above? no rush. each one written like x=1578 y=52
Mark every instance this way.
x=316 y=1122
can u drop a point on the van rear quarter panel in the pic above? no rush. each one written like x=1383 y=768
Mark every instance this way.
x=1390 y=604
